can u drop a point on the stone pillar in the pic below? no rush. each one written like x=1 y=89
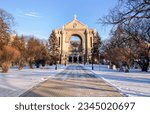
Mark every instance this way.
x=87 y=45
x=84 y=48
x=62 y=47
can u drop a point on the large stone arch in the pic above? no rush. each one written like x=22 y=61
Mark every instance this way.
x=75 y=28
x=78 y=35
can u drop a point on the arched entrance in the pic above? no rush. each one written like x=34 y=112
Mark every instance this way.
x=75 y=49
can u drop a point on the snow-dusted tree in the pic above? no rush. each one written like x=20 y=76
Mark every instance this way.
x=54 y=48
x=96 y=48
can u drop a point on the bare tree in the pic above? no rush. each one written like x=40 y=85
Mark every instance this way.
x=131 y=20
x=8 y=54
x=6 y=22
x=131 y=13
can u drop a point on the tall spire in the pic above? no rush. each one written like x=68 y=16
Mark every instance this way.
x=75 y=17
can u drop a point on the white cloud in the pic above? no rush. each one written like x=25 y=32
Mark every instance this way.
x=31 y=14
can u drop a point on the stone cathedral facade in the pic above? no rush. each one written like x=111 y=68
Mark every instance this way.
x=75 y=51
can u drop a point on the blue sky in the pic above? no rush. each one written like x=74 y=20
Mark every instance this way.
x=40 y=17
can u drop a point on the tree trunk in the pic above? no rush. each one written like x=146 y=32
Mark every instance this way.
x=30 y=64
x=21 y=65
x=5 y=67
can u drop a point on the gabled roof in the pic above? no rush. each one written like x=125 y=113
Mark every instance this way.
x=75 y=24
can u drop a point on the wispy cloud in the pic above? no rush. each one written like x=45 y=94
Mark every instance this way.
x=32 y=14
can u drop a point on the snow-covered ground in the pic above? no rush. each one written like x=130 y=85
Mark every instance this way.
x=134 y=83
x=16 y=82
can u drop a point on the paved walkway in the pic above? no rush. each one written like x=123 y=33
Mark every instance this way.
x=74 y=81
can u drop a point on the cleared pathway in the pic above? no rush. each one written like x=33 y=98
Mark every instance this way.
x=74 y=81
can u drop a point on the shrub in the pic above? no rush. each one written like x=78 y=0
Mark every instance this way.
x=7 y=56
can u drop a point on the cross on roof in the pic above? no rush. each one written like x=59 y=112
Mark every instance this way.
x=75 y=17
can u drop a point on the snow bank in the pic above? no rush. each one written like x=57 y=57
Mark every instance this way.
x=16 y=82
x=134 y=83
